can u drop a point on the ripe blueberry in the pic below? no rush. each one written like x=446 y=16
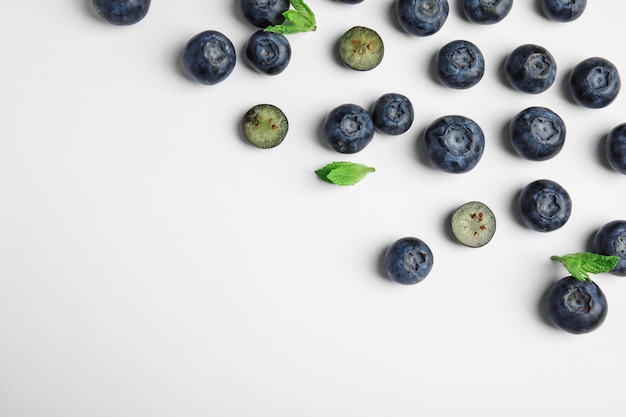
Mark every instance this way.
x=460 y=64
x=537 y=133
x=594 y=83
x=454 y=143
x=209 y=57
x=268 y=52
x=530 y=69
x=392 y=114
x=408 y=260
x=348 y=128
x=563 y=10
x=486 y=11
x=422 y=17
x=544 y=205
x=610 y=240
x=576 y=306
x=615 y=148
x=264 y=13
x=122 y=12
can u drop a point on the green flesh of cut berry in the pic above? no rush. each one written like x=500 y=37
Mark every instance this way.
x=473 y=224
x=361 y=48
x=265 y=126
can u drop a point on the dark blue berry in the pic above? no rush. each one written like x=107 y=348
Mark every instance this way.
x=576 y=306
x=486 y=12
x=615 y=148
x=350 y=1
x=530 y=69
x=348 y=128
x=544 y=205
x=268 y=52
x=264 y=13
x=454 y=143
x=563 y=10
x=537 y=133
x=460 y=64
x=594 y=83
x=422 y=17
x=122 y=12
x=610 y=240
x=408 y=261
x=209 y=57
x=392 y=114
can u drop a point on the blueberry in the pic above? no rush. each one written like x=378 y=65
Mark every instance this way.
x=392 y=113
x=122 y=12
x=563 y=10
x=576 y=306
x=361 y=48
x=408 y=260
x=268 y=52
x=209 y=57
x=537 y=133
x=422 y=17
x=454 y=143
x=264 y=13
x=594 y=83
x=460 y=64
x=486 y=12
x=473 y=224
x=544 y=205
x=265 y=126
x=530 y=69
x=610 y=240
x=615 y=148
x=348 y=128
x=350 y=1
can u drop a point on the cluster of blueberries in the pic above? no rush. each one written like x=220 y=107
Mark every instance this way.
x=452 y=143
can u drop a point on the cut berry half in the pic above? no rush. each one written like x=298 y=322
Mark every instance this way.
x=473 y=224
x=265 y=126
x=361 y=48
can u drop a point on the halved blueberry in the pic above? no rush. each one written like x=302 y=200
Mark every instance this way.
x=361 y=48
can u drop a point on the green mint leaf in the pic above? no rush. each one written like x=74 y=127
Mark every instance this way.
x=343 y=173
x=581 y=264
x=299 y=19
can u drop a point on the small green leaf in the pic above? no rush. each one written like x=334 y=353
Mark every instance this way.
x=581 y=264
x=343 y=173
x=299 y=19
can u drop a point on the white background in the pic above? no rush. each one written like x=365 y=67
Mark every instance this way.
x=152 y=263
